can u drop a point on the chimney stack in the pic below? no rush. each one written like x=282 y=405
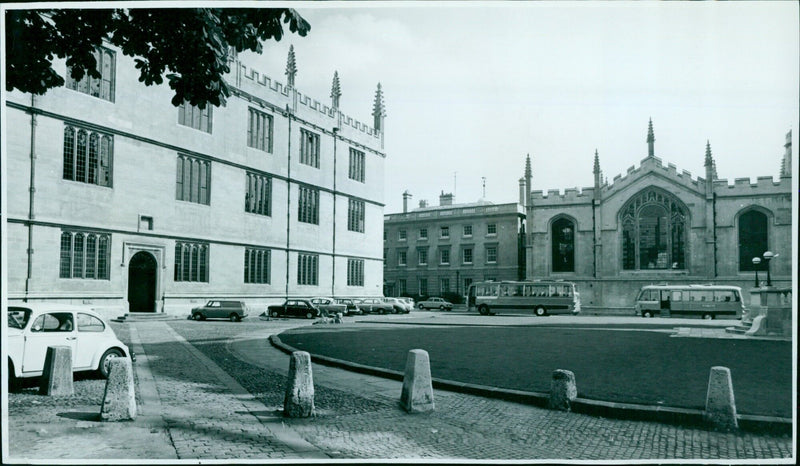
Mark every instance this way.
x=446 y=199
x=406 y=197
x=522 y=192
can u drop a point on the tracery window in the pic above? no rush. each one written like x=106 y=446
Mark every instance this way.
x=653 y=232
x=563 y=238
x=752 y=239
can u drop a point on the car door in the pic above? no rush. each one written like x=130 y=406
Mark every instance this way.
x=214 y=310
x=91 y=341
x=55 y=328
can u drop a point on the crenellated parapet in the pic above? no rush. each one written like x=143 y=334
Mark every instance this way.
x=253 y=82
x=653 y=164
x=745 y=186
x=555 y=197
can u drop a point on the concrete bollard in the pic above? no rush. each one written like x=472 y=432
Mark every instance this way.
x=57 y=372
x=417 y=394
x=562 y=390
x=720 y=404
x=119 y=400
x=299 y=398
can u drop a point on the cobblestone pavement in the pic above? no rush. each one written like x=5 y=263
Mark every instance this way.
x=219 y=398
x=471 y=427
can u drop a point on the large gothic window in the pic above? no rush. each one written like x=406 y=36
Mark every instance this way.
x=653 y=232
x=563 y=245
x=752 y=239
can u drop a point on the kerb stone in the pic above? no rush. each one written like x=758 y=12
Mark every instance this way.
x=720 y=403
x=562 y=390
x=299 y=399
x=417 y=394
x=57 y=372
x=119 y=400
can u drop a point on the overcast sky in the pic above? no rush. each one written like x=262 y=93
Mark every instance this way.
x=471 y=88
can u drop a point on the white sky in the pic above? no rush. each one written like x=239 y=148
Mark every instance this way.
x=471 y=88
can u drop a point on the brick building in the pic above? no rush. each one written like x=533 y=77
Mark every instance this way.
x=120 y=200
x=656 y=224
x=437 y=250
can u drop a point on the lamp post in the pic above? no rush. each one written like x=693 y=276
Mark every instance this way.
x=756 y=262
x=768 y=256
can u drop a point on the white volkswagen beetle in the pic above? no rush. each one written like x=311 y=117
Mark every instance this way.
x=32 y=327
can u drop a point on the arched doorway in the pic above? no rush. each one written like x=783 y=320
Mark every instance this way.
x=142 y=282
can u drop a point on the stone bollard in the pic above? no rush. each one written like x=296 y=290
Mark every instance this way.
x=57 y=372
x=562 y=390
x=720 y=404
x=299 y=399
x=417 y=394
x=119 y=399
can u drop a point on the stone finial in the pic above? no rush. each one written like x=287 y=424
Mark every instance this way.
x=562 y=390
x=651 y=139
x=299 y=398
x=291 y=67
x=119 y=399
x=720 y=404
x=336 y=90
x=56 y=377
x=786 y=163
x=709 y=161
x=378 y=109
x=596 y=169
x=417 y=394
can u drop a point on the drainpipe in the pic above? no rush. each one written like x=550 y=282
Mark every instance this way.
x=288 y=194
x=333 y=256
x=31 y=195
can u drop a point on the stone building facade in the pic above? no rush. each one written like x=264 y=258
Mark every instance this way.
x=119 y=200
x=440 y=250
x=657 y=224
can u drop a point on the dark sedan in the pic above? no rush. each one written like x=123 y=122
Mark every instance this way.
x=294 y=307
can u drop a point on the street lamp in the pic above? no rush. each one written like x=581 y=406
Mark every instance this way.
x=756 y=261
x=769 y=255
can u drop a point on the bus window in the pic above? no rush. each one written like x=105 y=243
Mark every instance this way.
x=701 y=295
x=736 y=296
x=725 y=296
x=676 y=296
x=527 y=290
x=566 y=290
x=516 y=290
x=553 y=290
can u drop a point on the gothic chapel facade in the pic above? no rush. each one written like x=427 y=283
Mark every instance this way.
x=659 y=225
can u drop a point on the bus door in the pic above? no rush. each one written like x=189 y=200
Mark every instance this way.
x=665 y=303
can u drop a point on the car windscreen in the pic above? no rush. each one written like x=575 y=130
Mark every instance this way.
x=18 y=317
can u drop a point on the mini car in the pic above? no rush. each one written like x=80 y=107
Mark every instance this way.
x=32 y=327
x=294 y=307
x=435 y=303
x=217 y=309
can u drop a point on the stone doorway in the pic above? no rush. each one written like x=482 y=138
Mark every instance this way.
x=142 y=282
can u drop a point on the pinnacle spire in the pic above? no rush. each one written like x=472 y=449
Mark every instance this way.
x=336 y=90
x=709 y=161
x=528 y=171
x=651 y=139
x=291 y=67
x=378 y=109
x=596 y=162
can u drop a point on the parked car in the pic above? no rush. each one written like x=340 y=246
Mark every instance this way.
x=217 y=309
x=409 y=302
x=33 y=327
x=351 y=305
x=328 y=306
x=376 y=305
x=435 y=303
x=294 y=307
x=397 y=305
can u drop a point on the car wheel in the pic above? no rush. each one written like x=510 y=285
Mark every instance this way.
x=105 y=361
x=441 y=308
x=394 y=310
x=309 y=315
x=198 y=316
x=647 y=314
x=708 y=316
x=235 y=317
x=540 y=311
x=483 y=309
x=274 y=313
x=421 y=307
